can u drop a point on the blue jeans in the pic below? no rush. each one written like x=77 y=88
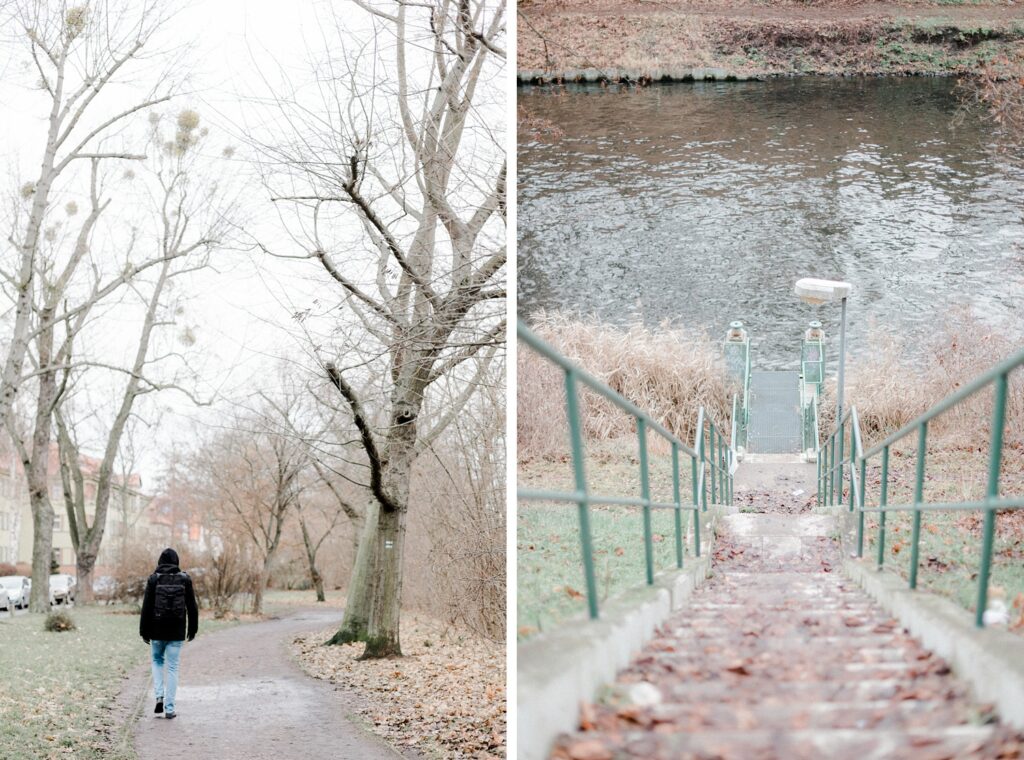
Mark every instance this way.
x=166 y=652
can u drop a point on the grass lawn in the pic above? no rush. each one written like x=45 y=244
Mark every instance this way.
x=951 y=541
x=550 y=568
x=58 y=689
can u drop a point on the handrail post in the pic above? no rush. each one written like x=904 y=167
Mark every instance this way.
x=831 y=476
x=703 y=457
x=883 y=500
x=711 y=460
x=853 y=462
x=645 y=494
x=839 y=460
x=576 y=441
x=995 y=459
x=721 y=469
x=922 y=451
x=817 y=472
x=860 y=504
x=698 y=482
x=696 y=510
x=677 y=500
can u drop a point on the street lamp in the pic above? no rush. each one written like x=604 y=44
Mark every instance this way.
x=817 y=292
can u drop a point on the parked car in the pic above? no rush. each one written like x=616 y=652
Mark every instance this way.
x=62 y=589
x=104 y=588
x=18 y=588
x=5 y=602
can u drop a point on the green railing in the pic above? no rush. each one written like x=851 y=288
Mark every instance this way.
x=812 y=378
x=736 y=349
x=711 y=459
x=830 y=492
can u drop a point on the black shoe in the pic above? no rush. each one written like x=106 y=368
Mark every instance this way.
x=159 y=706
x=170 y=715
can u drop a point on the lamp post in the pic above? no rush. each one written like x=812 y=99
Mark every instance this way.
x=817 y=292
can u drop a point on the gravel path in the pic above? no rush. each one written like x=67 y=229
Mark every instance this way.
x=240 y=695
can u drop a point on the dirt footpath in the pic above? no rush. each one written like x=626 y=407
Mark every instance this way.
x=240 y=695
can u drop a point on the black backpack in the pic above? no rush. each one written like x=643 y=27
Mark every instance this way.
x=169 y=596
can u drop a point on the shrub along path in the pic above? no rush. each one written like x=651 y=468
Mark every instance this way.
x=242 y=696
x=778 y=655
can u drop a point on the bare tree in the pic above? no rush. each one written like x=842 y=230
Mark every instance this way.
x=191 y=220
x=254 y=472
x=421 y=171
x=312 y=429
x=316 y=528
x=77 y=51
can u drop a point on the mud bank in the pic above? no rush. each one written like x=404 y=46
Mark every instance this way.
x=656 y=41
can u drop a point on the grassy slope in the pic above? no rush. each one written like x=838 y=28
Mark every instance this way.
x=951 y=542
x=550 y=570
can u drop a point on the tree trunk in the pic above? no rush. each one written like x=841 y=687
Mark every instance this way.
x=355 y=623
x=382 y=638
x=85 y=566
x=314 y=574
x=42 y=549
x=257 y=598
x=37 y=469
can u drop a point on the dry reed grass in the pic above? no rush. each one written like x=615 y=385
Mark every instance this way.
x=888 y=392
x=667 y=371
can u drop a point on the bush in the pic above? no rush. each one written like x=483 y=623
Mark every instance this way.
x=132 y=573
x=219 y=578
x=6 y=568
x=59 y=621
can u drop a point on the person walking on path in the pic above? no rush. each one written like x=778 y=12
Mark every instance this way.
x=169 y=600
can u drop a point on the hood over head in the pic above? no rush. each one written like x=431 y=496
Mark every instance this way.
x=168 y=557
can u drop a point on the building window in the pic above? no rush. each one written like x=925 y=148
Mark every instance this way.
x=57 y=520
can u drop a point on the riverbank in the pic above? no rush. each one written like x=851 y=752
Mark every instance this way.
x=651 y=40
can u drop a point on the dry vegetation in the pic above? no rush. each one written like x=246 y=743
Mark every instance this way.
x=445 y=698
x=645 y=40
x=668 y=371
x=889 y=391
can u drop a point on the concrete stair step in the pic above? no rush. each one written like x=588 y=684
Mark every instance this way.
x=785 y=715
x=768 y=671
x=833 y=650
x=864 y=690
x=835 y=744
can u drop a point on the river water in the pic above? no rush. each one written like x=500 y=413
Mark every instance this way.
x=704 y=203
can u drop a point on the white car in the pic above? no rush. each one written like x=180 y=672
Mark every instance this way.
x=5 y=602
x=18 y=588
x=62 y=588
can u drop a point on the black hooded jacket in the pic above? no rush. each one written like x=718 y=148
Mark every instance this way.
x=168 y=630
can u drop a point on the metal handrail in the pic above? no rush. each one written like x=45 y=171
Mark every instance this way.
x=706 y=459
x=998 y=376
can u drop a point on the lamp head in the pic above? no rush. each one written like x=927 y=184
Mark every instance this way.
x=814 y=291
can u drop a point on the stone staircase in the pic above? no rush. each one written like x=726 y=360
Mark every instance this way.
x=780 y=656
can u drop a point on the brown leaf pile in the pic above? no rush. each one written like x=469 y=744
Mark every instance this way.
x=445 y=696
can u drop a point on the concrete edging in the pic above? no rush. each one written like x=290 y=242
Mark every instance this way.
x=989 y=659
x=564 y=667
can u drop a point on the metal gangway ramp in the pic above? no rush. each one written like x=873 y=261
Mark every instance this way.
x=775 y=419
